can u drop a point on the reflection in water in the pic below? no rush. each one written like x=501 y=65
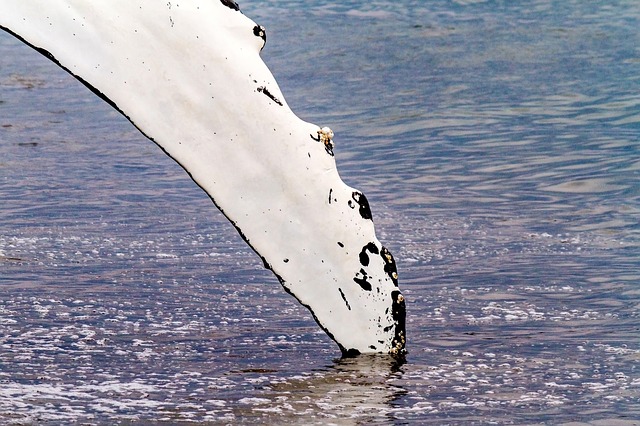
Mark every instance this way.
x=359 y=389
x=498 y=148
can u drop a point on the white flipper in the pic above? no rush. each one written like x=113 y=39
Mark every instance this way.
x=188 y=74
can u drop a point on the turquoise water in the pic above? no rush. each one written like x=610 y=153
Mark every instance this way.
x=498 y=146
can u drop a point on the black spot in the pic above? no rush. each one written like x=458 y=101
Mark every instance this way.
x=330 y=192
x=328 y=147
x=364 y=257
x=266 y=91
x=259 y=31
x=350 y=353
x=230 y=4
x=372 y=347
x=285 y=260
x=362 y=281
x=340 y=244
x=389 y=265
x=344 y=298
x=361 y=200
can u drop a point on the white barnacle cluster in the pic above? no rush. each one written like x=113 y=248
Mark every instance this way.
x=325 y=135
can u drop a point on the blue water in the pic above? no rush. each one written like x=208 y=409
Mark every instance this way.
x=498 y=144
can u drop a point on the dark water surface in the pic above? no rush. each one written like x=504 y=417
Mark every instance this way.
x=498 y=145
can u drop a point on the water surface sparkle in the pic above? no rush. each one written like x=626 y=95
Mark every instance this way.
x=498 y=147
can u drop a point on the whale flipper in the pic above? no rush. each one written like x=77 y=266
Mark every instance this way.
x=189 y=76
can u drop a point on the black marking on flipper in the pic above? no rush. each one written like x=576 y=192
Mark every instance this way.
x=266 y=92
x=362 y=281
x=230 y=4
x=350 y=353
x=363 y=203
x=260 y=31
x=364 y=257
x=389 y=265
x=399 y=313
x=329 y=149
x=344 y=298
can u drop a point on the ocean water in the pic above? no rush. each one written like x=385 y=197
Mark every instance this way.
x=499 y=146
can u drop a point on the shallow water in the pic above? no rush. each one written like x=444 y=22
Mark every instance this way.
x=498 y=146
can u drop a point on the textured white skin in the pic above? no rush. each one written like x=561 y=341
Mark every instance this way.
x=188 y=74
